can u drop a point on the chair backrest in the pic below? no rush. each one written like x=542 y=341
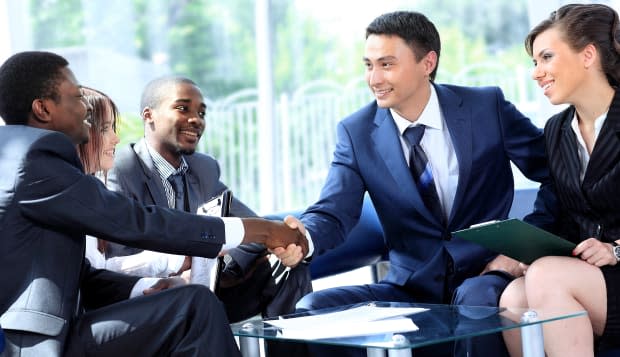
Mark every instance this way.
x=523 y=202
x=363 y=246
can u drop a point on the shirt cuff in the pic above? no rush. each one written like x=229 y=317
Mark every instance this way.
x=310 y=245
x=234 y=230
x=233 y=226
x=141 y=285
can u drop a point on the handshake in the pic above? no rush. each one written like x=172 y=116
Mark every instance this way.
x=287 y=240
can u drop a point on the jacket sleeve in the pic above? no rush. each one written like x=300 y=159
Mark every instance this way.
x=60 y=195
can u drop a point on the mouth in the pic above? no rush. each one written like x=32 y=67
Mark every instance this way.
x=380 y=93
x=546 y=86
x=109 y=152
x=191 y=133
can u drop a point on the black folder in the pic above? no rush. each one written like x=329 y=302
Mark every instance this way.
x=218 y=206
x=517 y=239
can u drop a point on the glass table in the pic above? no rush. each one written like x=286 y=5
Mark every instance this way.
x=437 y=324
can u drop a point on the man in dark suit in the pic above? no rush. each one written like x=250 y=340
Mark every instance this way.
x=470 y=136
x=173 y=110
x=52 y=302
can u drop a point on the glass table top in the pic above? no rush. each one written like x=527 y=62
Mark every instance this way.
x=437 y=323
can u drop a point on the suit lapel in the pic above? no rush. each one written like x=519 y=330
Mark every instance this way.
x=391 y=152
x=607 y=147
x=458 y=120
x=152 y=178
x=568 y=148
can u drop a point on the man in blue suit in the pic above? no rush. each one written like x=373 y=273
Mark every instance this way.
x=470 y=137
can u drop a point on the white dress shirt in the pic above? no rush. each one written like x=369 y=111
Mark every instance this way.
x=582 y=150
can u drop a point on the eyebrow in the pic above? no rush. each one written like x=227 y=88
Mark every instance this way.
x=541 y=52
x=186 y=101
x=380 y=59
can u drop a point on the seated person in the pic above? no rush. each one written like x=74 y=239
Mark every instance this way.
x=576 y=53
x=173 y=110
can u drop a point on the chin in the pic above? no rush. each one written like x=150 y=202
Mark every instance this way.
x=187 y=151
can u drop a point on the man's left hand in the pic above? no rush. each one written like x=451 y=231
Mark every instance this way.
x=164 y=284
x=506 y=264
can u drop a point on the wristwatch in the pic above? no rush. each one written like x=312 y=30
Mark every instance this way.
x=616 y=250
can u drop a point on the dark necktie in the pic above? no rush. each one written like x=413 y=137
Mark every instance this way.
x=421 y=170
x=176 y=180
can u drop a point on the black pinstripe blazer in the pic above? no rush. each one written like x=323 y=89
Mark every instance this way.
x=584 y=206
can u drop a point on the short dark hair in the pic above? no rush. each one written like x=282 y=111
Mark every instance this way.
x=414 y=28
x=584 y=24
x=156 y=89
x=27 y=76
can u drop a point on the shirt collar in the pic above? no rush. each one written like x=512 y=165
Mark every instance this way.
x=598 y=124
x=430 y=116
x=164 y=168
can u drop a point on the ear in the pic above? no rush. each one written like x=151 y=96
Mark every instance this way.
x=430 y=62
x=590 y=55
x=147 y=115
x=40 y=110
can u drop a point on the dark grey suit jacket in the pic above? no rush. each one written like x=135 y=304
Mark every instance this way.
x=47 y=205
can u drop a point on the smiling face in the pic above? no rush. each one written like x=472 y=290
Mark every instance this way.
x=174 y=126
x=559 y=70
x=396 y=77
x=109 y=140
x=69 y=113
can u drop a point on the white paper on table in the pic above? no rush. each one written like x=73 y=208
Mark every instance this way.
x=352 y=316
x=350 y=329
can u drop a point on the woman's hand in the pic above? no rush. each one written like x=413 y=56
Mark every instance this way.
x=595 y=252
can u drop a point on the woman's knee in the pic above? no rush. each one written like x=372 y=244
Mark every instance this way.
x=514 y=294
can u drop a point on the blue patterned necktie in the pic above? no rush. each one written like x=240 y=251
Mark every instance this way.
x=176 y=180
x=421 y=170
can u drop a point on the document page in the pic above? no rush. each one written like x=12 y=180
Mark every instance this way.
x=359 y=321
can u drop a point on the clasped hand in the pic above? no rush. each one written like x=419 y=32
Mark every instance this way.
x=292 y=254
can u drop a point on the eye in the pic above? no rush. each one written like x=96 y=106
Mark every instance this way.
x=202 y=114
x=387 y=65
x=182 y=108
x=367 y=65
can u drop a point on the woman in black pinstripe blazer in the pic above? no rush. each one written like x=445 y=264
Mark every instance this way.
x=576 y=54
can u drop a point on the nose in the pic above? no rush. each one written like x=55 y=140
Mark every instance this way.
x=537 y=72
x=373 y=76
x=197 y=119
x=115 y=139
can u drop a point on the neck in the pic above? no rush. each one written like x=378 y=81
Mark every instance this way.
x=595 y=103
x=416 y=104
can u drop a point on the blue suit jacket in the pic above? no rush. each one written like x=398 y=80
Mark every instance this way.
x=487 y=132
